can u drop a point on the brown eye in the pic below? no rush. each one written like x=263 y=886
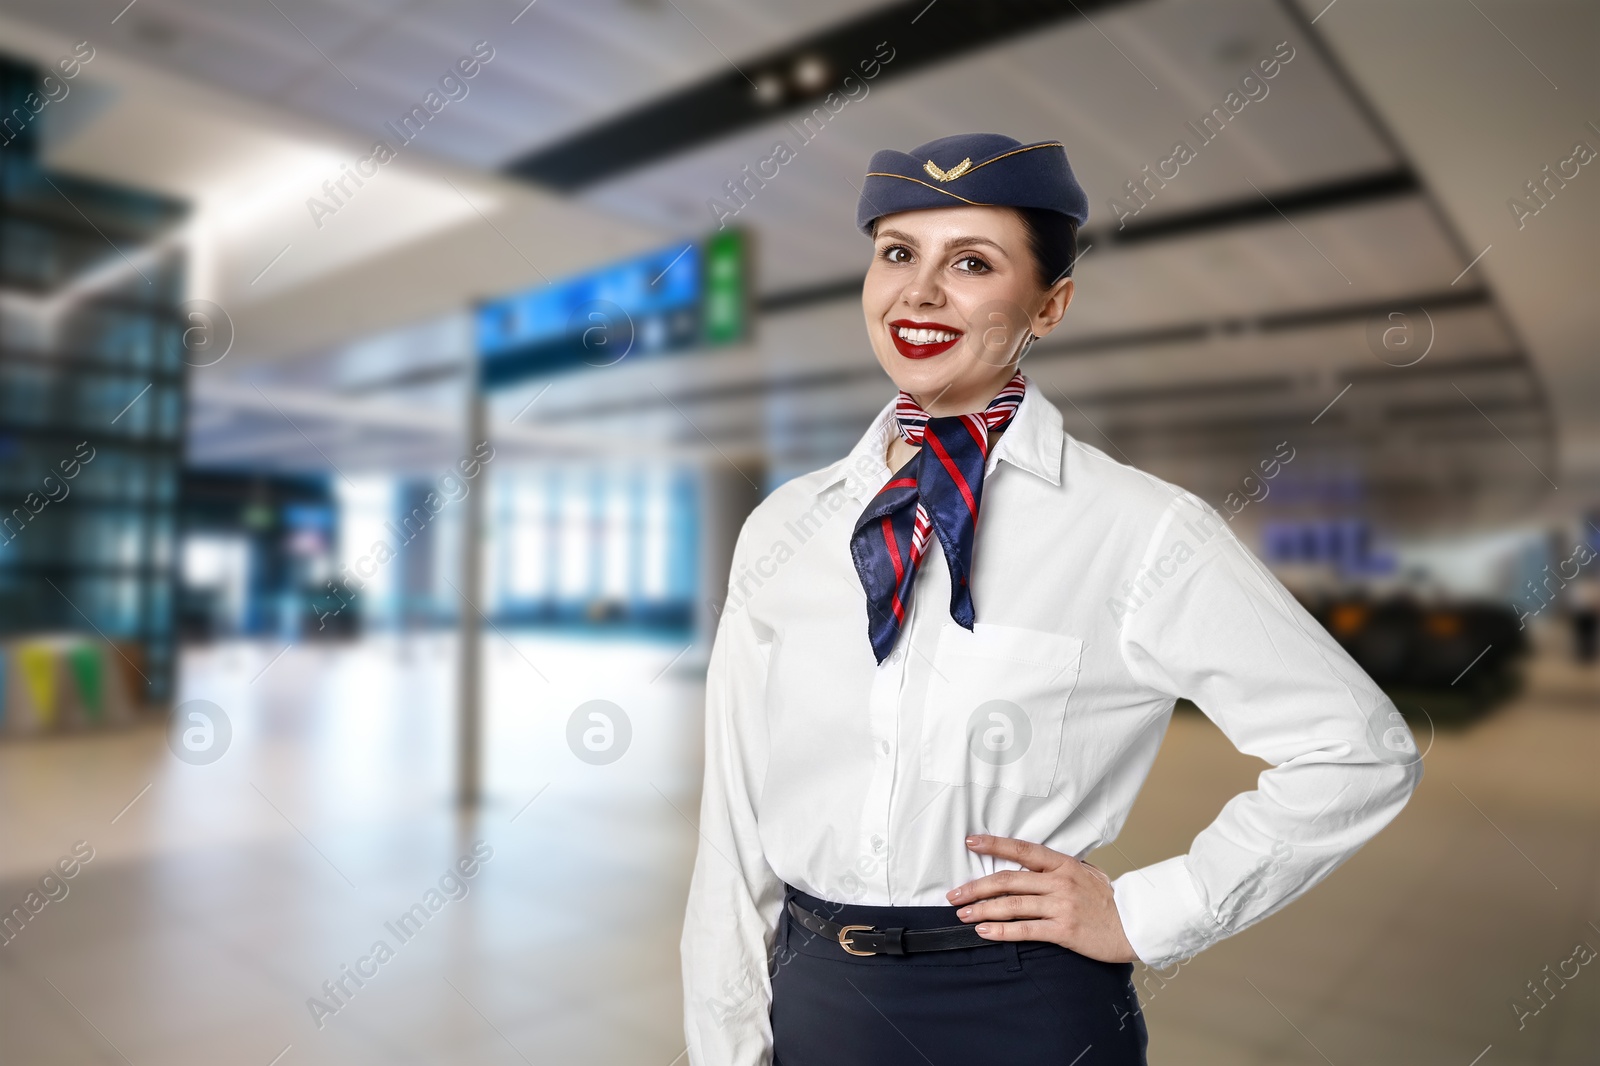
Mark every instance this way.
x=971 y=264
x=896 y=253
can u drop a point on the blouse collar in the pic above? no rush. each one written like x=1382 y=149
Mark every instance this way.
x=1033 y=442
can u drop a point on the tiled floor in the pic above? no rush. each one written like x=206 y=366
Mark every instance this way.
x=220 y=901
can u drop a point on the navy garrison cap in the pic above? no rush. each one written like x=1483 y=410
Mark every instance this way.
x=981 y=169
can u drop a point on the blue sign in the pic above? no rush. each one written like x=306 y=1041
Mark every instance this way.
x=1346 y=544
x=642 y=306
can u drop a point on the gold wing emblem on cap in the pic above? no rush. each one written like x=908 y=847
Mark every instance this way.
x=947 y=175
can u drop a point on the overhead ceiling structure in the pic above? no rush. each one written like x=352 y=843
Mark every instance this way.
x=558 y=66
x=1238 y=302
x=1219 y=312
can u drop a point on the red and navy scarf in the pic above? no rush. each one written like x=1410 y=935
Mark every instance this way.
x=937 y=491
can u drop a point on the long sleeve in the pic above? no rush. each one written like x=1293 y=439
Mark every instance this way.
x=1213 y=625
x=734 y=897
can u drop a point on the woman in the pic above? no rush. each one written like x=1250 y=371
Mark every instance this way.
x=908 y=750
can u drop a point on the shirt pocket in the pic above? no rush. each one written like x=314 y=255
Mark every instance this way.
x=996 y=705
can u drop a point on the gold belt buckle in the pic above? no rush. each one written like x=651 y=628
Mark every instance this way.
x=844 y=939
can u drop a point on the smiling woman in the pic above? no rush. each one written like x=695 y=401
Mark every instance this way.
x=936 y=273
x=897 y=818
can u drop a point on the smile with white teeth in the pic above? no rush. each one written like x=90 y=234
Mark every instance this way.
x=924 y=336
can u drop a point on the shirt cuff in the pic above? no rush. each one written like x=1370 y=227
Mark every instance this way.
x=1163 y=916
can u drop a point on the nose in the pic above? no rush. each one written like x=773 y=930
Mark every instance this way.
x=925 y=289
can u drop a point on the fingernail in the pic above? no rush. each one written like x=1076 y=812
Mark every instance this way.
x=982 y=927
x=972 y=842
x=965 y=912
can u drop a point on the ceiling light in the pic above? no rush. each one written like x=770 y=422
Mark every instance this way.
x=810 y=73
x=769 y=89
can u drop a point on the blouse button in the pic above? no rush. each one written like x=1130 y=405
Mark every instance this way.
x=883 y=746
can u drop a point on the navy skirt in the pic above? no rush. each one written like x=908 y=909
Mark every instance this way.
x=1005 y=1003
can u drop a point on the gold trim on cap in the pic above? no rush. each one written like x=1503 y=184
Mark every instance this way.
x=1017 y=151
x=935 y=188
x=961 y=169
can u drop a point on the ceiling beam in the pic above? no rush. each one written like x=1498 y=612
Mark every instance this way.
x=1356 y=191
x=785 y=81
x=1344 y=192
x=1179 y=333
x=322 y=410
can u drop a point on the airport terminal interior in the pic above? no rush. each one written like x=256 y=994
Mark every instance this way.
x=383 y=386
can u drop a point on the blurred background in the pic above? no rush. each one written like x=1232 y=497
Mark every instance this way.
x=382 y=384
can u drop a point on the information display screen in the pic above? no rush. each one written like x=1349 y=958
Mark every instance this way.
x=686 y=295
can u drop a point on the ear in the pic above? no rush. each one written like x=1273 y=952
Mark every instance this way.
x=1052 y=308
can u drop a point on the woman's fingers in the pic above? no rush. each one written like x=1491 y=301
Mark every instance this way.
x=999 y=883
x=1057 y=898
x=1038 y=860
x=1016 y=931
x=1010 y=908
x=1025 y=852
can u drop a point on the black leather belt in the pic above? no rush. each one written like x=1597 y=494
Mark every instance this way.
x=869 y=940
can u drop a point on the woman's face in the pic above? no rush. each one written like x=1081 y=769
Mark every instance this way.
x=950 y=296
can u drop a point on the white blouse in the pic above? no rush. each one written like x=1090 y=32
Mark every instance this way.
x=1102 y=594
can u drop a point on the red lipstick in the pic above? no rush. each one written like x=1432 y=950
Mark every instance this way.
x=912 y=350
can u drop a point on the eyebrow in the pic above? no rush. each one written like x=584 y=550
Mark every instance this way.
x=954 y=243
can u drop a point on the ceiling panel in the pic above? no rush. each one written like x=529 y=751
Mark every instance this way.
x=1119 y=91
x=1388 y=249
x=563 y=64
x=1068 y=82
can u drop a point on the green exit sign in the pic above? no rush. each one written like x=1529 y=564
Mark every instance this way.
x=727 y=289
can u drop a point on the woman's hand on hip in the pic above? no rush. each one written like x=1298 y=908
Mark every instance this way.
x=1055 y=898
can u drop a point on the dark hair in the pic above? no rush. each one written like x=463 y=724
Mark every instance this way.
x=1053 y=237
